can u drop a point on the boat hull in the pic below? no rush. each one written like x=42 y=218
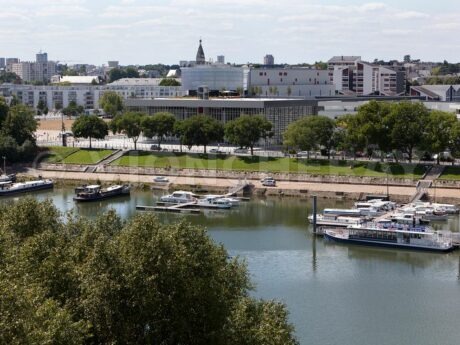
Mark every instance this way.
x=7 y=192
x=386 y=244
x=102 y=196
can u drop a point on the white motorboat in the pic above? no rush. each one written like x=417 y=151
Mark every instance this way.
x=375 y=207
x=219 y=203
x=349 y=212
x=233 y=201
x=179 y=197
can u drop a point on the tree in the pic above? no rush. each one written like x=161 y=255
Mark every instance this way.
x=105 y=281
x=130 y=124
x=169 y=82
x=454 y=144
x=438 y=132
x=200 y=130
x=247 y=130
x=407 y=124
x=310 y=132
x=41 y=107
x=179 y=131
x=159 y=125
x=111 y=102
x=132 y=72
x=116 y=74
x=371 y=123
x=20 y=124
x=4 y=108
x=73 y=109
x=90 y=126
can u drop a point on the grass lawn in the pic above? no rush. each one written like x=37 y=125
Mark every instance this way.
x=317 y=167
x=58 y=153
x=86 y=156
x=451 y=173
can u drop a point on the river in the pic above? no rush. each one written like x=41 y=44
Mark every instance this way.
x=336 y=294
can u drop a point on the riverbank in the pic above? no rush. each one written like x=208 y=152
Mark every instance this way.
x=284 y=188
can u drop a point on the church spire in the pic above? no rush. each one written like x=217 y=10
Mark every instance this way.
x=200 y=58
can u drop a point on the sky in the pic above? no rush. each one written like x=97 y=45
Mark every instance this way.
x=167 y=31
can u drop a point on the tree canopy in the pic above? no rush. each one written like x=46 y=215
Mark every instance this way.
x=129 y=124
x=247 y=130
x=73 y=109
x=159 y=125
x=119 y=73
x=310 y=132
x=111 y=102
x=20 y=124
x=71 y=280
x=169 y=82
x=201 y=130
x=90 y=126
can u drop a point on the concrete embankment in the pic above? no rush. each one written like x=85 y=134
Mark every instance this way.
x=336 y=187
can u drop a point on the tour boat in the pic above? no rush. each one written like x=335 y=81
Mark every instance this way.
x=96 y=192
x=179 y=197
x=213 y=202
x=391 y=235
x=8 y=188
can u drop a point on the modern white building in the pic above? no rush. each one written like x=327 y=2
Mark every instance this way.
x=217 y=77
x=88 y=96
x=290 y=82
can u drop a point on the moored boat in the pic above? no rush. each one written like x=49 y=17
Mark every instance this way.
x=178 y=197
x=96 y=192
x=333 y=220
x=8 y=178
x=213 y=202
x=9 y=188
x=391 y=235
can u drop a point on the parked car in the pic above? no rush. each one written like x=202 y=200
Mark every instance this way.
x=269 y=183
x=161 y=179
x=303 y=154
x=240 y=150
x=215 y=151
x=155 y=148
x=267 y=178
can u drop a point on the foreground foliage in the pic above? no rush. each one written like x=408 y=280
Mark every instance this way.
x=77 y=281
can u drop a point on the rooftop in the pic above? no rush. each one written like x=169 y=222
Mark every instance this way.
x=345 y=59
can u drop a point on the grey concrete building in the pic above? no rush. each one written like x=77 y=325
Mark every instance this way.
x=280 y=112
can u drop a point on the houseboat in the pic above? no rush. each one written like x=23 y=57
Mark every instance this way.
x=96 y=192
x=9 y=188
x=339 y=221
x=392 y=236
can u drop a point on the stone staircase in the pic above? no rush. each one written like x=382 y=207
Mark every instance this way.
x=427 y=181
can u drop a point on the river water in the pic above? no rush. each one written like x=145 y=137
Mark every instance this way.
x=336 y=294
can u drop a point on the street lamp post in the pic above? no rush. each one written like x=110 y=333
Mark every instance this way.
x=388 y=187
x=4 y=165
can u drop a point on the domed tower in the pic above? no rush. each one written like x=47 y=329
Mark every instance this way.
x=200 y=58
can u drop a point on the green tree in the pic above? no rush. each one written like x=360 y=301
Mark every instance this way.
x=41 y=107
x=130 y=124
x=132 y=72
x=454 y=144
x=116 y=74
x=20 y=124
x=90 y=126
x=179 y=131
x=169 y=82
x=105 y=281
x=201 y=130
x=4 y=109
x=111 y=102
x=310 y=132
x=407 y=122
x=159 y=125
x=438 y=132
x=73 y=109
x=247 y=130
